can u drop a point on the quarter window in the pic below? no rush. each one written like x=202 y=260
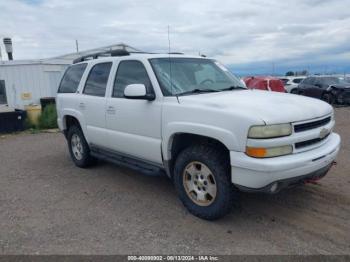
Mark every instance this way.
x=130 y=72
x=71 y=78
x=97 y=81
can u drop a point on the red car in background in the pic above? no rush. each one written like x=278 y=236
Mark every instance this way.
x=267 y=83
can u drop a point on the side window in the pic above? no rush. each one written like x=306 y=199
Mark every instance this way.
x=71 y=78
x=96 y=82
x=309 y=81
x=130 y=72
x=297 y=80
x=318 y=82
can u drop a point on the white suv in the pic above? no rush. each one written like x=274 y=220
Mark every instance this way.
x=191 y=119
x=291 y=83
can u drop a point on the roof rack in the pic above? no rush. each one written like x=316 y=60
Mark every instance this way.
x=116 y=52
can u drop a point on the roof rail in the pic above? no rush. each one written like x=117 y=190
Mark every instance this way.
x=115 y=52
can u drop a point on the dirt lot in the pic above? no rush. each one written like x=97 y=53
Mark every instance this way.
x=48 y=206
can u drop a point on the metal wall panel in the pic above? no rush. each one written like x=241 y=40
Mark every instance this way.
x=26 y=84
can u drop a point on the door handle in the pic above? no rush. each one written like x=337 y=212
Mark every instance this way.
x=82 y=105
x=111 y=110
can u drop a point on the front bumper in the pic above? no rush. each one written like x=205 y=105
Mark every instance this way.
x=253 y=174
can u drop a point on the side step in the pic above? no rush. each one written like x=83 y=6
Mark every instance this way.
x=141 y=166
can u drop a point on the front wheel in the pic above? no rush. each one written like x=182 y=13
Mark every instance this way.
x=202 y=180
x=328 y=97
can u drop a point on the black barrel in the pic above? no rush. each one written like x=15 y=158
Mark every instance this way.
x=12 y=121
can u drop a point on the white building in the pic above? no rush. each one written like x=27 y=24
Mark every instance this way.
x=25 y=82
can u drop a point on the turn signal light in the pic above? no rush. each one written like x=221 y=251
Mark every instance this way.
x=256 y=152
x=260 y=152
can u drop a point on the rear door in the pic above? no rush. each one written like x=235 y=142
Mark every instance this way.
x=92 y=103
x=319 y=88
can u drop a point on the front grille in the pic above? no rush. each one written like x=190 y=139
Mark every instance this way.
x=311 y=125
x=309 y=142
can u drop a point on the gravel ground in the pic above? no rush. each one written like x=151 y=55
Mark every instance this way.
x=49 y=206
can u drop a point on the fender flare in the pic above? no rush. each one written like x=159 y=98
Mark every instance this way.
x=76 y=114
x=224 y=136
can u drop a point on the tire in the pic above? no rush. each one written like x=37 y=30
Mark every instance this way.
x=294 y=91
x=328 y=98
x=218 y=164
x=340 y=98
x=82 y=158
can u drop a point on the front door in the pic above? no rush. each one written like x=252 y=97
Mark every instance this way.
x=134 y=125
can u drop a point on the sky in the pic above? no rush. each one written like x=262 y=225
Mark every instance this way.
x=250 y=37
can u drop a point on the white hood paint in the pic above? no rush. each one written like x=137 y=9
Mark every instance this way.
x=271 y=107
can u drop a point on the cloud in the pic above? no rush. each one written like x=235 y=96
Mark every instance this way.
x=237 y=32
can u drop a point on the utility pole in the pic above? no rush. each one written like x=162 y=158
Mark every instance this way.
x=77 y=45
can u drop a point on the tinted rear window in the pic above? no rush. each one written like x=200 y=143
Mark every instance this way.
x=97 y=81
x=71 y=78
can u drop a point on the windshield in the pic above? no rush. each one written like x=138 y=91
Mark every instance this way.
x=178 y=76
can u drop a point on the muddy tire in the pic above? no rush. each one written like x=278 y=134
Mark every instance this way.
x=202 y=181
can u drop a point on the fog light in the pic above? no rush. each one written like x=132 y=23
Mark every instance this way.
x=274 y=187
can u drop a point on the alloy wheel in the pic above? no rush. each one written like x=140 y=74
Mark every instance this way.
x=199 y=183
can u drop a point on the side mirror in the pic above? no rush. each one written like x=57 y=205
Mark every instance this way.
x=137 y=91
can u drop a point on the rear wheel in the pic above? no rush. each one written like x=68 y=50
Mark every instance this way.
x=202 y=180
x=79 y=148
x=328 y=97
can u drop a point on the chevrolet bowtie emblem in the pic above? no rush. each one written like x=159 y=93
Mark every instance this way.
x=323 y=132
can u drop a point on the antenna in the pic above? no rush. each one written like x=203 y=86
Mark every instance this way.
x=77 y=45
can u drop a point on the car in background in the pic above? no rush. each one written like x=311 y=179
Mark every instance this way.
x=267 y=83
x=328 y=88
x=291 y=83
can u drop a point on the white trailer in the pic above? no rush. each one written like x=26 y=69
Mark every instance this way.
x=25 y=82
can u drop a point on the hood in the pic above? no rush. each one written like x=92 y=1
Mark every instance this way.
x=271 y=107
x=347 y=87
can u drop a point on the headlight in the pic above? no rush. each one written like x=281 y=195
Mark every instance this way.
x=269 y=152
x=270 y=131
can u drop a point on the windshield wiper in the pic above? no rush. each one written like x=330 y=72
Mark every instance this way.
x=232 y=88
x=198 y=91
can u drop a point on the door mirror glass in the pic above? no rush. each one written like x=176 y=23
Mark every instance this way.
x=137 y=91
